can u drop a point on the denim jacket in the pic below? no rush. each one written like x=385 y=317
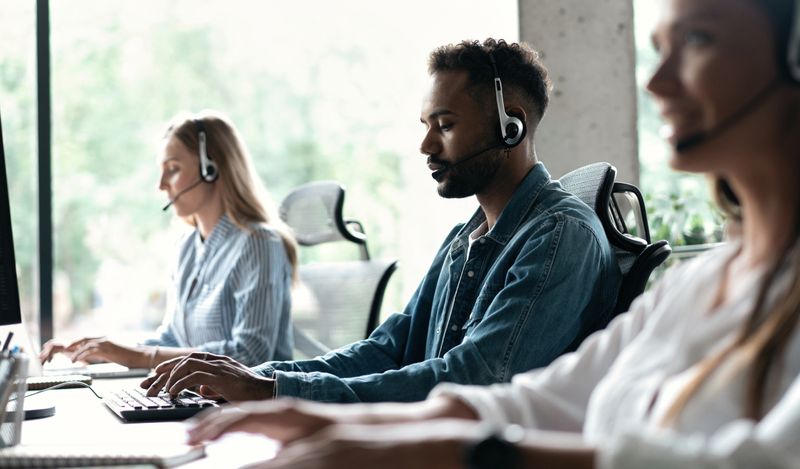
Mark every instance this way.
x=529 y=290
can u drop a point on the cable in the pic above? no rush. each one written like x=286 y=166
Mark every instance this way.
x=62 y=385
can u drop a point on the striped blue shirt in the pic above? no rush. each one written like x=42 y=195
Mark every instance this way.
x=231 y=295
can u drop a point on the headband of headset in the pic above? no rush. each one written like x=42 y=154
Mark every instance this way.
x=512 y=129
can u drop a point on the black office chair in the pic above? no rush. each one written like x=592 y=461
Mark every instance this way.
x=336 y=302
x=596 y=186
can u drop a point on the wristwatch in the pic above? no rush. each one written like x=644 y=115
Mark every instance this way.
x=495 y=451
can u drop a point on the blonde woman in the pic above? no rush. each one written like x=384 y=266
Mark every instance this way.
x=704 y=371
x=230 y=291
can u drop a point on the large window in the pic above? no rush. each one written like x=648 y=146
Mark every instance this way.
x=18 y=111
x=318 y=89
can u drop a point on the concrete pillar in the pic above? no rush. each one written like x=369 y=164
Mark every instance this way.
x=588 y=47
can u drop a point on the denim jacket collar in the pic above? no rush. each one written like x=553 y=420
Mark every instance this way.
x=513 y=214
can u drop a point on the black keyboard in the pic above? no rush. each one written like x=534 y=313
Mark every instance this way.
x=134 y=406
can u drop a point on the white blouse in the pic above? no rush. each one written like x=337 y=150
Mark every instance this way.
x=616 y=388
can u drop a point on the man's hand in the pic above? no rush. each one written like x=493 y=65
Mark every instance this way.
x=286 y=420
x=216 y=375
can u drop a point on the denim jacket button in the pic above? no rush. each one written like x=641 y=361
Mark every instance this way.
x=454 y=328
x=482 y=240
x=470 y=274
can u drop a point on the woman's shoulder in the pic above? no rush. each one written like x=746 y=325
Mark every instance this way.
x=262 y=231
x=260 y=247
x=704 y=266
x=259 y=236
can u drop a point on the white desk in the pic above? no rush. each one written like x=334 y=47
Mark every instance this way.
x=82 y=420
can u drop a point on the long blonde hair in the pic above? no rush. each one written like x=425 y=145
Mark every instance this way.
x=244 y=198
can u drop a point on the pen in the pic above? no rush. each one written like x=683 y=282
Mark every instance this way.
x=8 y=341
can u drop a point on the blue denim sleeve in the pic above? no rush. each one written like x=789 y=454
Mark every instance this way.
x=535 y=316
x=383 y=350
x=399 y=339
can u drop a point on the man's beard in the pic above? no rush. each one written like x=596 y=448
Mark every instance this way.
x=472 y=177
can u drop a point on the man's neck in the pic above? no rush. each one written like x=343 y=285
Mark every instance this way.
x=498 y=193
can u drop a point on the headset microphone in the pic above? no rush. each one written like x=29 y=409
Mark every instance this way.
x=180 y=193
x=463 y=160
x=726 y=123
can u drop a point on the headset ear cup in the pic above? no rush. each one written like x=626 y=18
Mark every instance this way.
x=515 y=131
x=210 y=174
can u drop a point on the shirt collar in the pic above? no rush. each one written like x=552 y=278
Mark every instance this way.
x=219 y=234
x=516 y=210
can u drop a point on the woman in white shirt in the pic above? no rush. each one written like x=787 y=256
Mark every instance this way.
x=230 y=291
x=704 y=369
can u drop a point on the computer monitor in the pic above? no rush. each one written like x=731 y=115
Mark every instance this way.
x=10 y=311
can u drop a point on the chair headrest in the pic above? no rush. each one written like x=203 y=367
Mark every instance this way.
x=595 y=184
x=591 y=183
x=314 y=212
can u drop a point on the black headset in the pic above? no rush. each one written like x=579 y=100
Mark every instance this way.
x=208 y=169
x=512 y=129
x=793 y=58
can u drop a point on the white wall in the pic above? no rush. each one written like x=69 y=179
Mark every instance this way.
x=588 y=47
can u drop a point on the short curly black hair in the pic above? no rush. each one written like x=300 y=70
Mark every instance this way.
x=518 y=65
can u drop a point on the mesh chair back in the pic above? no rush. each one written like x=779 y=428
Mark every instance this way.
x=339 y=302
x=591 y=183
x=335 y=303
x=595 y=185
x=314 y=212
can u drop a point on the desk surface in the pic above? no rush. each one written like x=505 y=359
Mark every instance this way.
x=82 y=420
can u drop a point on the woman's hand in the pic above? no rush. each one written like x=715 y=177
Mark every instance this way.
x=438 y=444
x=286 y=420
x=100 y=349
x=51 y=348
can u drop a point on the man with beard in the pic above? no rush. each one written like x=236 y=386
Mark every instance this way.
x=523 y=281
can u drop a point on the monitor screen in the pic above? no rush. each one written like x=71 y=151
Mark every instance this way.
x=9 y=290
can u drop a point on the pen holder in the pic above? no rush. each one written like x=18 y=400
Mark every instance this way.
x=13 y=372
